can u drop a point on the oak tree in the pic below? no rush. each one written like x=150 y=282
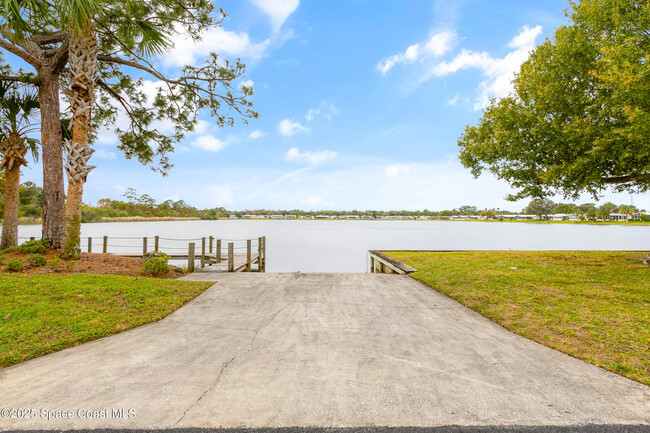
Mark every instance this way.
x=579 y=118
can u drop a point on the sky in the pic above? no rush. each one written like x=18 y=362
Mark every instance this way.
x=361 y=104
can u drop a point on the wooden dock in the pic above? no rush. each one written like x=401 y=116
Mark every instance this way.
x=210 y=253
x=210 y=264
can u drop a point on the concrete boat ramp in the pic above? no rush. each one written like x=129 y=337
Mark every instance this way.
x=319 y=350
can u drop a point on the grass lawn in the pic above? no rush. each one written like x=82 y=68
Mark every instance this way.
x=594 y=306
x=40 y=314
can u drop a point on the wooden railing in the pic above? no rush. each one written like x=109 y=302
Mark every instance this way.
x=382 y=264
x=239 y=255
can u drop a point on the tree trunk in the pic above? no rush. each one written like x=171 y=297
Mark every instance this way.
x=14 y=151
x=82 y=56
x=53 y=192
x=10 y=223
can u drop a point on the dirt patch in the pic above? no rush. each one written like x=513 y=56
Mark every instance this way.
x=90 y=263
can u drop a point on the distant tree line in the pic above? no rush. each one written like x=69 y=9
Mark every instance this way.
x=136 y=205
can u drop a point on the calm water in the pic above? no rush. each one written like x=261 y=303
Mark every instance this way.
x=341 y=246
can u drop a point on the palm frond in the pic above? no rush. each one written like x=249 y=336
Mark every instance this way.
x=153 y=40
x=32 y=146
x=77 y=13
x=21 y=15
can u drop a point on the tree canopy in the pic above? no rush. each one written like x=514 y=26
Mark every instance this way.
x=132 y=35
x=579 y=118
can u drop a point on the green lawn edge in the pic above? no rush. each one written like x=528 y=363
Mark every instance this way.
x=592 y=305
x=42 y=314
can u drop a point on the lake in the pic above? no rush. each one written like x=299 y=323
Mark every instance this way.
x=341 y=246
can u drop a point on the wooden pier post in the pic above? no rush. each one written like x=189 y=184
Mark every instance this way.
x=259 y=254
x=248 y=255
x=32 y=238
x=203 y=252
x=144 y=246
x=218 y=252
x=210 y=246
x=372 y=265
x=90 y=244
x=264 y=254
x=105 y=245
x=231 y=257
x=190 y=257
x=156 y=243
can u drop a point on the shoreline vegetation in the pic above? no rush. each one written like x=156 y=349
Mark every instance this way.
x=137 y=208
x=594 y=306
x=38 y=221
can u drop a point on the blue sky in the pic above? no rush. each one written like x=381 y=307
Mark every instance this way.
x=361 y=103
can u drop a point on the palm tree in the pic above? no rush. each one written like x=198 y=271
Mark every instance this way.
x=16 y=110
x=82 y=57
x=83 y=50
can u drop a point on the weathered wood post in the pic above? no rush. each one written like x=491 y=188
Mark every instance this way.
x=190 y=257
x=231 y=257
x=372 y=264
x=105 y=246
x=218 y=251
x=144 y=246
x=248 y=255
x=203 y=252
x=264 y=254
x=259 y=254
x=210 y=247
x=90 y=244
x=156 y=243
x=32 y=238
x=382 y=268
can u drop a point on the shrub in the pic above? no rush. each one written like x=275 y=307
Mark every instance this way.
x=34 y=247
x=2 y=258
x=36 y=260
x=156 y=265
x=70 y=264
x=54 y=263
x=14 y=265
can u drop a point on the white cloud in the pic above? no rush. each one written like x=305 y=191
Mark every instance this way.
x=312 y=113
x=287 y=127
x=397 y=170
x=102 y=153
x=257 y=134
x=439 y=44
x=209 y=143
x=277 y=10
x=313 y=158
x=247 y=83
x=187 y=51
x=220 y=195
x=453 y=101
x=499 y=72
x=326 y=109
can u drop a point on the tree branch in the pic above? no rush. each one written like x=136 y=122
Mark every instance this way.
x=52 y=38
x=14 y=49
x=627 y=178
x=59 y=60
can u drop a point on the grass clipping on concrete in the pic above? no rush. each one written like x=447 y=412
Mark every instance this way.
x=40 y=314
x=594 y=306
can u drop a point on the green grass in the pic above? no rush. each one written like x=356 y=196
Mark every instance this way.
x=40 y=314
x=594 y=306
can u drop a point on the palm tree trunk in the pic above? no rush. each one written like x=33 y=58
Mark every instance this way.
x=53 y=191
x=14 y=152
x=10 y=223
x=83 y=70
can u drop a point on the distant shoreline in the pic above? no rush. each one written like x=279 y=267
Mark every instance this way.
x=38 y=221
